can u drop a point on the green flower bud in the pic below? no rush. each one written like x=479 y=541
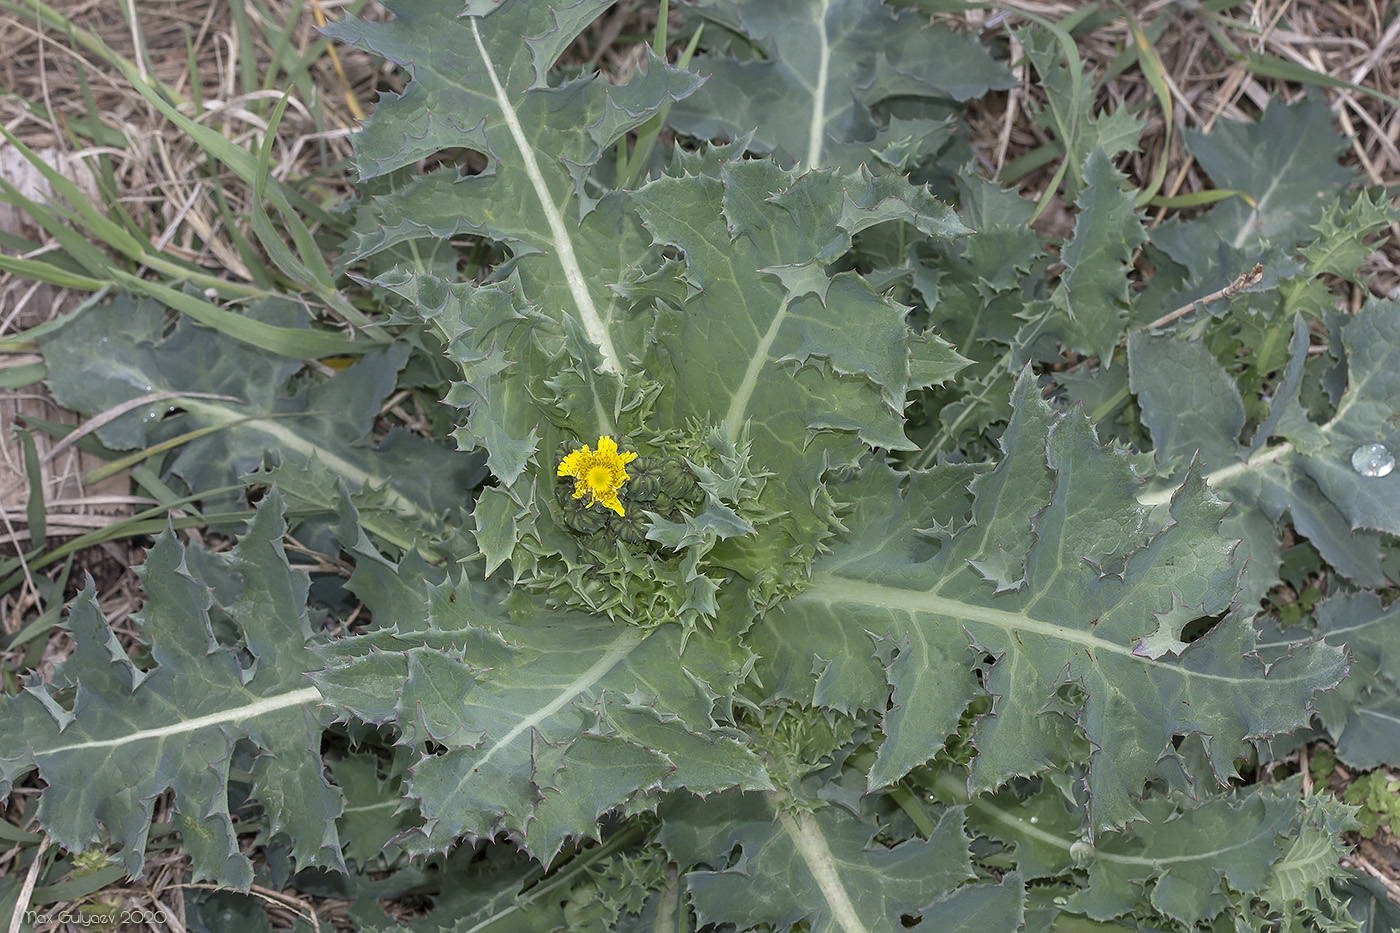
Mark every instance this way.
x=601 y=543
x=631 y=529
x=584 y=518
x=644 y=479
x=676 y=479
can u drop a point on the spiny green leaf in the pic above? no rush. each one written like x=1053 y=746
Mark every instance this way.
x=827 y=66
x=473 y=78
x=374 y=811
x=754 y=341
x=1195 y=861
x=1310 y=475
x=548 y=720
x=552 y=355
x=495 y=526
x=819 y=867
x=1286 y=163
x=1069 y=110
x=979 y=908
x=1301 y=881
x=174 y=726
x=1189 y=404
x=1071 y=603
x=1186 y=853
x=488 y=94
x=317 y=432
x=1362 y=716
x=1093 y=290
x=1344 y=235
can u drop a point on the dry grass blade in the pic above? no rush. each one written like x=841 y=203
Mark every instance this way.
x=1243 y=281
x=26 y=891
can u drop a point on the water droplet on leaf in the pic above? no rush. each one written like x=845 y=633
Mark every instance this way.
x=1373 y=460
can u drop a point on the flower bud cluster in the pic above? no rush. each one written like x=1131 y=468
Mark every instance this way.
x=664 y=485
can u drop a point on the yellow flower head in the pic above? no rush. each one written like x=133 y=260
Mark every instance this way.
x=599 y=474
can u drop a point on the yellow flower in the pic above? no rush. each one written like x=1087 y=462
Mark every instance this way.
x=599 y=474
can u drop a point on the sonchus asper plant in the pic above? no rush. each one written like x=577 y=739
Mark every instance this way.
x=726 y=639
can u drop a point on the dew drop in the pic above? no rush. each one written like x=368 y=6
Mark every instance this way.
x=1373 y=460
x=1035 y=819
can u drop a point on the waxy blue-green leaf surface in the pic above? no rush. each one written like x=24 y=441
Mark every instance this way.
x=730 y=709
x=317 y=432
x=1069 y=111
x=1070 y=602
x=1286 y=163
x=826 y=66
x=770 y=866
x=1362 y=716
x=1194 y=861
x=1093 y=290
x=542 y=722
x=1292 y=466
x=818 y=364
x=748 y=327
x=128 y=734
x=477 y=84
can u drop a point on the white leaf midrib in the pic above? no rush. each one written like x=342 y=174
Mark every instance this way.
x=739 y=404
x=291 y=440
x=259 y=707
x=1023 y=826
x=832 y=591
x=622 y=646
x=563 y=244
x=811 y=845
x=1259 y=459
x=816 y=131
x=1257 y=214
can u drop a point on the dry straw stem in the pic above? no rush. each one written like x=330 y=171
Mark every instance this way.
x=1243 y=281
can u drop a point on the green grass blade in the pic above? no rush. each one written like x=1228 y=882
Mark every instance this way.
x=100 y=225
x=84 y=214
x=1024 y=164
x=649 y=131
x=1198 y=198
x=48 y=272
x=150 y=521
x=35 y=510
x=105 y=177
x=196 y=91
x=44 y=623
x=242 y=162
x=299 y=343
x=123 y=463
x=1150 y=64
x=314 y=276
x=15 y=377
x=281 y=42
x=247 y=53
x=1269 y=66
x=308 y=268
